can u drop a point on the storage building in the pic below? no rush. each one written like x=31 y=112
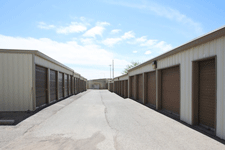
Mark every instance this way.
x=29 y=79
x=188 y=82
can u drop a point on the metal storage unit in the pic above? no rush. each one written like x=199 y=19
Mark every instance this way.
x=78 y=85
x=68 y=79
x=140 y=87
x=119 y=88
x=211 y=45
x=171 y=89
x=122 y=88
x=41 y=86
x=61 y=85
x=66 y=85
x=71 y=85
x=132 y=87
x=29 y=79
x=53 y=85
x=110 y=87
x=207 y=93
x=74 y=80
x=125 y=88
x=151 y=88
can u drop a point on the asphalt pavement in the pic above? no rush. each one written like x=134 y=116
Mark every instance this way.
x=101 y=120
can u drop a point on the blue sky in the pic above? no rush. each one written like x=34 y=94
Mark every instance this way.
x=87 y=35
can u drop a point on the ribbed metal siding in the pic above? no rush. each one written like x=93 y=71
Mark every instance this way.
x=16 y=82
x=42 y=62
x=185 y=58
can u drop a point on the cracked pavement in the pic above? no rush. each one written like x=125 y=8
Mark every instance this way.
x=101 y=120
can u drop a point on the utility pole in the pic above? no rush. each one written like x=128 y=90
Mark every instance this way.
x=113 y=69
x=110 y=71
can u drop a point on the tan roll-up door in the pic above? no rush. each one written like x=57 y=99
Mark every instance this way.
x=151 y=88
x=140 y=88
x=41 y=86
x=171 y=89
x=53 y=85
x=61 y=91
x=207 y=92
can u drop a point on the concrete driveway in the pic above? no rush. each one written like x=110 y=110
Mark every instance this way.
x=100 y=120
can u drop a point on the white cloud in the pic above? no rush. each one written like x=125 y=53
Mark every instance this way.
x=134 y=51
x=102 y=24
x=43 y=25
x=86 y=41
x=142 y=39
x=128 y=35
x=111 y=41
x=115 y=31
x=148 y=52
x=157 y=45
x=97 y=30
x=71 y=54
x=74 y=27
x=163 y=46
x=149 y=43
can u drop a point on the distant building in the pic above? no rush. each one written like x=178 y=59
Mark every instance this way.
x=98 y=83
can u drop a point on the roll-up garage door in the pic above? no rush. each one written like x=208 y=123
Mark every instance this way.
x=171 y=89
x=151 y=88
x=126 y=88
x=66 y=85
x=53 y=85
x=74 y=80
x=41 y=86
x=71 y=85
x=119 y=88
x=140 y=87
x=122 y=88
x=61 y=91
x=207 y=92
x=132 y=87
x=111 y=87
x=68 y=78
x=78 y=85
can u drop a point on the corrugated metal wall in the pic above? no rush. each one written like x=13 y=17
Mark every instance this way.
x=42 y=62
x=184 y=59
x=16 y=82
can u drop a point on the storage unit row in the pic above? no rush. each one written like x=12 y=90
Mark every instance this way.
x=30 y=79
x=187 y=82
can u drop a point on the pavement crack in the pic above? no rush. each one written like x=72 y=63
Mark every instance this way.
x=107 y=120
